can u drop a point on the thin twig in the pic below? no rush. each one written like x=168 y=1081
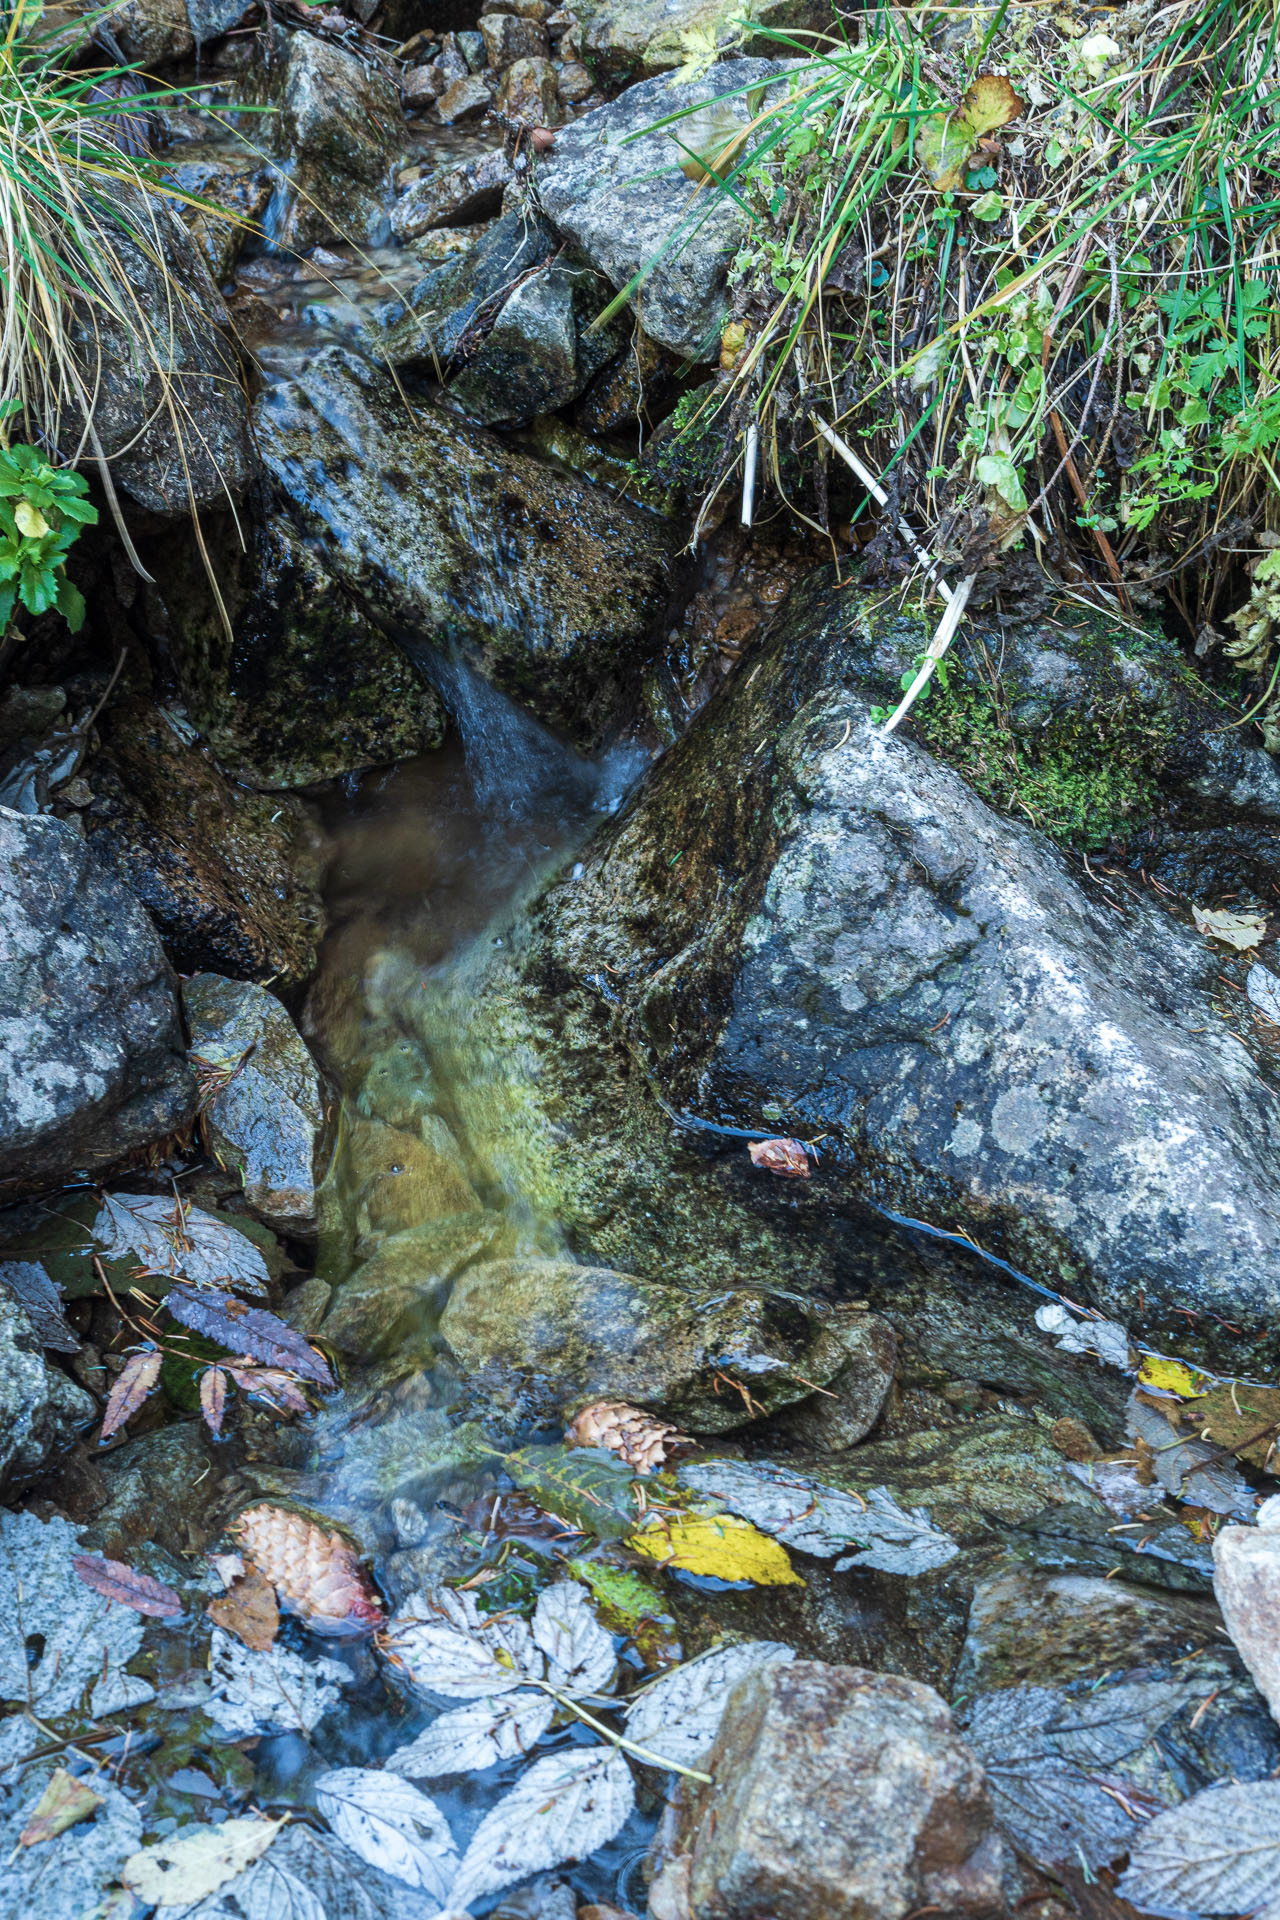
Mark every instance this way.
x=941 y=640
x=651 y=1759
x=877 y=492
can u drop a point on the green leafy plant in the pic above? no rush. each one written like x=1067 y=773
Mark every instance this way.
x=42 y=511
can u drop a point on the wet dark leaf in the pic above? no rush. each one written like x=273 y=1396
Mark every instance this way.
x=36 y=1294
x=252 y=1330
x=275 y=1385
x=168 y=1238
x=114 y=1580
x=213 y=1398
x=136 y=1379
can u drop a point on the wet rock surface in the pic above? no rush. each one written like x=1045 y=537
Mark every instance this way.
x=453 y=539
x=93 y=1057
x=228 y=875
x=41 y=1410
x=264 y=1106
x=838 y=1792
x=340 y=118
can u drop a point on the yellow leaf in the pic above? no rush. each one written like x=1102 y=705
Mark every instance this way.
x=1168 y=1376
x=732 y=341
x=946 y=141
x=719 y=1544
x=63 y=1802
x=990 y=103
x=31 y=523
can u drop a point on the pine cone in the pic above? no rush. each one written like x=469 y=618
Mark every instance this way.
x=640 y=1439
x=315 y=1574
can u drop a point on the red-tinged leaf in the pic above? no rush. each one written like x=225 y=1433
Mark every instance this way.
x=136 y=1379
x=213 y=1398
x=64 y=1802
x=126 y=1586
x=251 y=1330
x=272 y=1384
x=780 y=1156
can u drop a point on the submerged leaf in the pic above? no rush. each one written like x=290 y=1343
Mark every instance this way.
x=136 y=1379
x=588 y=1489
x=248 y=1609
x=64 y=1802
x=679 y=1715
x=443 y=1646
x=114 y=1580
x=213 y=1398
x=391 y=1824
x=183 y=1241
x=62 y=1644
x=1219 y=1852
x=1192 y=1470
x=252 y=1330
x=1237 y=1416
x=825 y=1521
x=719 y=1544
x=1107 y=1338
x=1168 y=1376
x=476 y=1735
x=786 y=1157
x=41 y=1301
x=563 y=1808
x=271 y=1692
x=579 y=1653
x=197 y=1860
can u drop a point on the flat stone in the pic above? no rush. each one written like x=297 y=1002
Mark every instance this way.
x=452 y=196
x=839 y=1794
x=266 y=1120
x=1246 y=1581
x=618 y=200
x=465 y=99
x=41 y=1410
x=627 y=39
x=92 y=1063
x=548 y=1331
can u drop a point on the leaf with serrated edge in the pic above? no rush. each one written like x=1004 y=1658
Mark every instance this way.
x=40 y=1300
x=811 y=1517
x=191 y=1244
x=136 y=1379
x=1192 y=1470
x=564 y=1808
x=83 y=1640
x=1219 y=1852
x=441 y=1644
x=252 y=1330
x=197 y=1860
x=679 y=1716
x=475 y=1736
x=308 y=1875
x=248 y=1609
x=272 y=1692
x=391 y=1824
x=115 y=1580
x=580 y=1654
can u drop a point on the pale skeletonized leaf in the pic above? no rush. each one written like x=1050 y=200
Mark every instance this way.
x=1263 y=990
x=476 y=1735
x=391 y=1824
x=197 y=1860
x=1105 y=1338
x=564 y=1808
x=61 y=1643
x=274 y=1691
x=1238 y=930
x=1219 y=1852
x=309 y=1876
x=580 y=1654
x=1193 y=1470
x=40 y=1300
x=811 y=1517
x=679 y=1715
x=443 y=1646
x=184 y=1242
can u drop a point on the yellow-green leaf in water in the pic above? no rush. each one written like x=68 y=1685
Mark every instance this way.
x=1168 y=1376
x=64 y=1801
x=718 y=1544
x=31 y=523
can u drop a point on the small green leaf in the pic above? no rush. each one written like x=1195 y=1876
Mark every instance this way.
x=997 y=470
x=989 y=206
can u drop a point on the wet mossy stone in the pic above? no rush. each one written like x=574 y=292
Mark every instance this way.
x=801 y=926
x=390 y=1306
x=454 y=305
x=452 y=538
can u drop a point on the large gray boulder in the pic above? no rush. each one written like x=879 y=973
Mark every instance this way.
x=92 y=1065
x=619 y=199
x=802 y=927
x=450 y=537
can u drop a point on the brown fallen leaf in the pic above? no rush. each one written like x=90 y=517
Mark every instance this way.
x=213 y=1398
x=64 y=1802
x=114 y=1580
x=639 y=1438
x=136 y=1379
x=316 y=1575
x=248 y=1609
x=786 y=1157
x=946 y=142
x=279 y=1388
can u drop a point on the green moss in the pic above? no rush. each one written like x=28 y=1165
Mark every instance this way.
x=1088 y=775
